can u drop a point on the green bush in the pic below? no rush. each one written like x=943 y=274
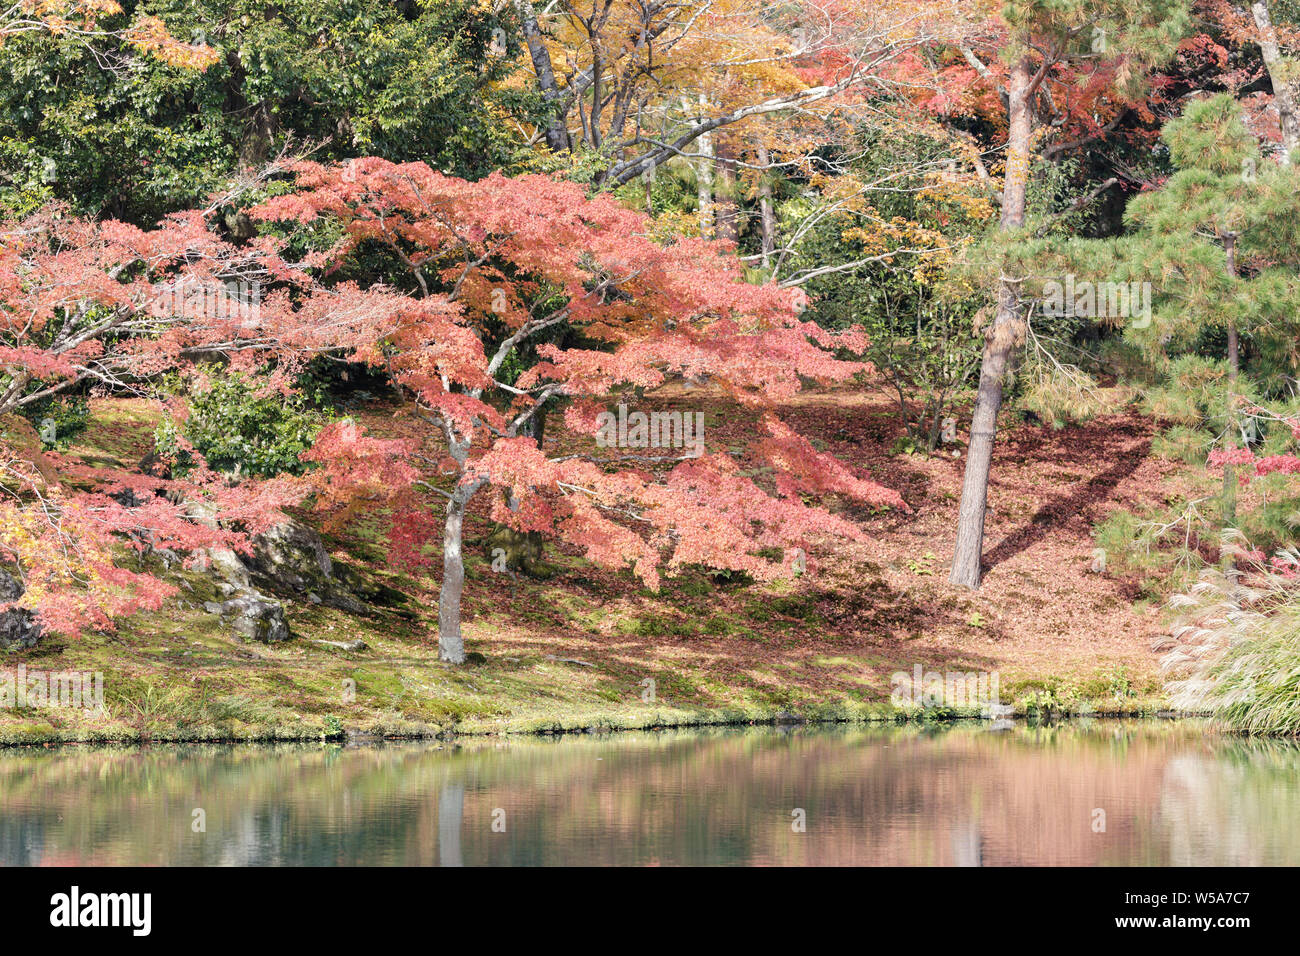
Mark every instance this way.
x=58 y=419
x=240 y=430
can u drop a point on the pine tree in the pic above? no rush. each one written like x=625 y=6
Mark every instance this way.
x=1219 y=241
x=1043 y=36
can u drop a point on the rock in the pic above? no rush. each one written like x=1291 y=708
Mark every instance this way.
x=224 y=565
x=127 y=498
x=292 y=556
x=257 y=617
x=564 y=660
x=18 y=627
x=508 y=550
x=357 y=645
x=289 y=557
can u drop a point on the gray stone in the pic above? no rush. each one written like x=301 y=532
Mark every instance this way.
x=292 y=556
x=357 y=645
x=256 y=617
x=18 y=626
x=223 y=565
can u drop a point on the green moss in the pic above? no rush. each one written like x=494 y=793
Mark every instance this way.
x=178 y=674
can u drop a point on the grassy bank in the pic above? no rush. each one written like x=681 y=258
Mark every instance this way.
x=179 y=675
x=580 y=648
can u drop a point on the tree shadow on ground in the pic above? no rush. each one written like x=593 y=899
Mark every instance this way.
x=1052 y=516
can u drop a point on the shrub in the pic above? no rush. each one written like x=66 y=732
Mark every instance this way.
x=241 y=429
x=58 y=419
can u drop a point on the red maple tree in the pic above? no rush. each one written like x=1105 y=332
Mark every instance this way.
x=528 y=295
x=109 y=305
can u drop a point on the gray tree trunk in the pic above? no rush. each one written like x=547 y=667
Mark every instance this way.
x=704 y=176
x=767 y=210
x=451 y=645
x=1000 y=342
x=728 y=202
x=1283 y=80
x=557 y=133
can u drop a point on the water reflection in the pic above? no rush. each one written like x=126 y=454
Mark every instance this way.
x=964 y=796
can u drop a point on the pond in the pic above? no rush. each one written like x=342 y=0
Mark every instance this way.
x=1094 y=792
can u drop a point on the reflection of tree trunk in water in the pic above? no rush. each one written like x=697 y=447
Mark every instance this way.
x=451 y=808
x=967 y=845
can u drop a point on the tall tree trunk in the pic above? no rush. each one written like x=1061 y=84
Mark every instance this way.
x=767 y=210
x=260 y=128
x=704 y=177
x=451 y=645
x=649 y=180
x=1234 y=424
x=728 y=201
x=1000 y=342
x=1284 y=85
x=557 y=133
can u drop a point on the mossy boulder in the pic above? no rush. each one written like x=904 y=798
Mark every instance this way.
x=290 y=556
x=508 y=550
x=18 y=626
x=254 y=617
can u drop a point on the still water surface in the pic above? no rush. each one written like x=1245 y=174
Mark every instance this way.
x=1171 y=793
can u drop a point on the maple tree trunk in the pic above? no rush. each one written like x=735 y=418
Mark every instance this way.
x=1000 y=342
x=728 y=204
x=767 y=210
x=1284 y=92
x=451 y=645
